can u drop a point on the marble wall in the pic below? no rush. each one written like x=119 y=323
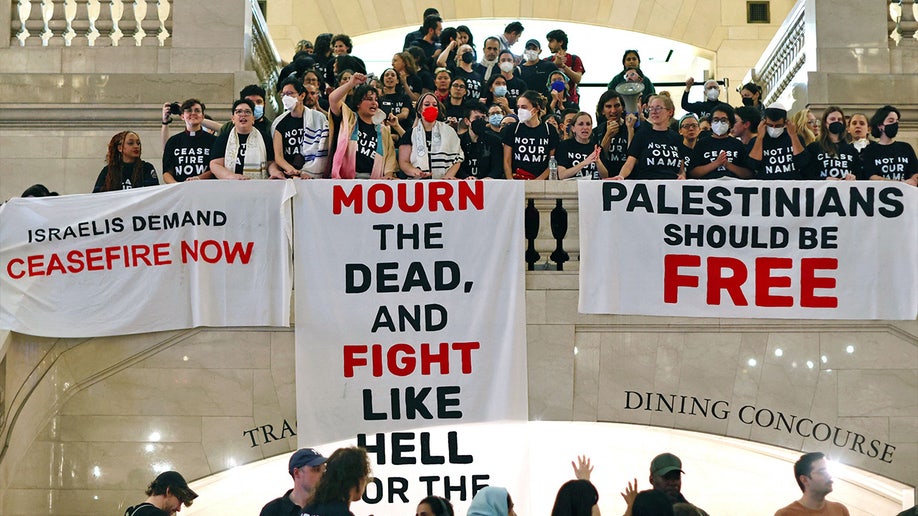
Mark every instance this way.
x=89 y=421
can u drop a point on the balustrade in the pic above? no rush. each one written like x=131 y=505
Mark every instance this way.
x=91 y=23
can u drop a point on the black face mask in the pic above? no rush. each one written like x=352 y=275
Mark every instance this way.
x=479 y=126
x=748 y=101
x=891 y=130
x=468 y=58
x=836 y=128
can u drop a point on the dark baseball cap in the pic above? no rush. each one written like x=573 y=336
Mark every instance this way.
x=304 y=457
x=665 y=463
x=177 y=486
x=534 y=43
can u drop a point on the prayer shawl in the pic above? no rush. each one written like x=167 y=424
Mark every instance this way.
x=344 y=162
x=314 y=148
x=255 y=165
x=444 y=152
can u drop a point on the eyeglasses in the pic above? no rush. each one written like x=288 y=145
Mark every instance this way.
x=290 y=94
x=459 y=86
x=720 y=120
x=813 y=123
x=242 y=112
x=690 y=126
x=654 y=109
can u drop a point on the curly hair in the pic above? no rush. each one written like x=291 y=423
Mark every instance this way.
x=115 y=161
x=346 y=469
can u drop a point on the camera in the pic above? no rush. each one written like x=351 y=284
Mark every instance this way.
x=175 y=109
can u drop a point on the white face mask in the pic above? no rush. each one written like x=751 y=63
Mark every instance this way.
x=774 y=132
x=289 y=102
x=712 y=93
x=720 y=128
x=524 y=115
x=506 y=67
x=531 y=55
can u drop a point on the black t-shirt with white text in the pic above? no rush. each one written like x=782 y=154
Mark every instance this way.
x=149 y=177
x=187 y=154
x=824 y=165
x=617 y=154
x=778 y=159
x=895 y=161
x=657 y=154
x=571 y=152
x=707 y=150
x=367 y=139
x=530 y=146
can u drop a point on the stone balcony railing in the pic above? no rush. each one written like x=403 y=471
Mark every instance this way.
x=91 y=23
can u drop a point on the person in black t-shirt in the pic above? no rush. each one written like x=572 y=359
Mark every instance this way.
x=124 y=169
x=530 y=143
x=186 y=156
x=244 y=151
x=578 y=157
x=887 y=159
x=482 y=147
x=832 y=156
x=778 y=152
x=720 y=155
x=612 y=133
x=165 y=496
x=654 y=150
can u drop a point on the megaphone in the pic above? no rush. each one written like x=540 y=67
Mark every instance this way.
x=631 y=93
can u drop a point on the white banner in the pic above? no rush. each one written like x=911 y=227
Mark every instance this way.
x=409 y=305
x=763 y=249
x=202 y=253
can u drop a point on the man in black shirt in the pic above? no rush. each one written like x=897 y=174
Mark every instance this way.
x=306 y=467
x=165 y=496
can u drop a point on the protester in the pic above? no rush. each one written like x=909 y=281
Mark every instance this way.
x=124 y=169
x=832 y=156
x=529 y=144
x=165 y=496
x=186 y=155
x=887 y=159
x=306 y=467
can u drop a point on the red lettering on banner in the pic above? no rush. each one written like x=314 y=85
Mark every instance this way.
x=92 y=259
x=732 y=284
x=766 y=278
x=809 y=282
x=672 y=280
x=212 y=251
x=386 y=196
x=764 y=281
x=402 y=359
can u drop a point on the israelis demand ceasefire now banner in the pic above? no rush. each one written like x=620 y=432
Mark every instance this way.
x=199 y=253
x=763 y=249
x=409 y=306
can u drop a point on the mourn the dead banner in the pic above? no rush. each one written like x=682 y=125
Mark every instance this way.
x=763 y=249
x=409 y=315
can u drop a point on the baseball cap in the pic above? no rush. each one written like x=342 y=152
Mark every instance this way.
x=177 y=486
x=665 y=463
x=533 y=43
x=304 y=457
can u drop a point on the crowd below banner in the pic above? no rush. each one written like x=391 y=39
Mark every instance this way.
x=327 y=487
x=447 y=109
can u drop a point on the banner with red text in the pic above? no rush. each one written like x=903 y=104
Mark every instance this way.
x=202 y=253
x=409 y=305
x=763 y=249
